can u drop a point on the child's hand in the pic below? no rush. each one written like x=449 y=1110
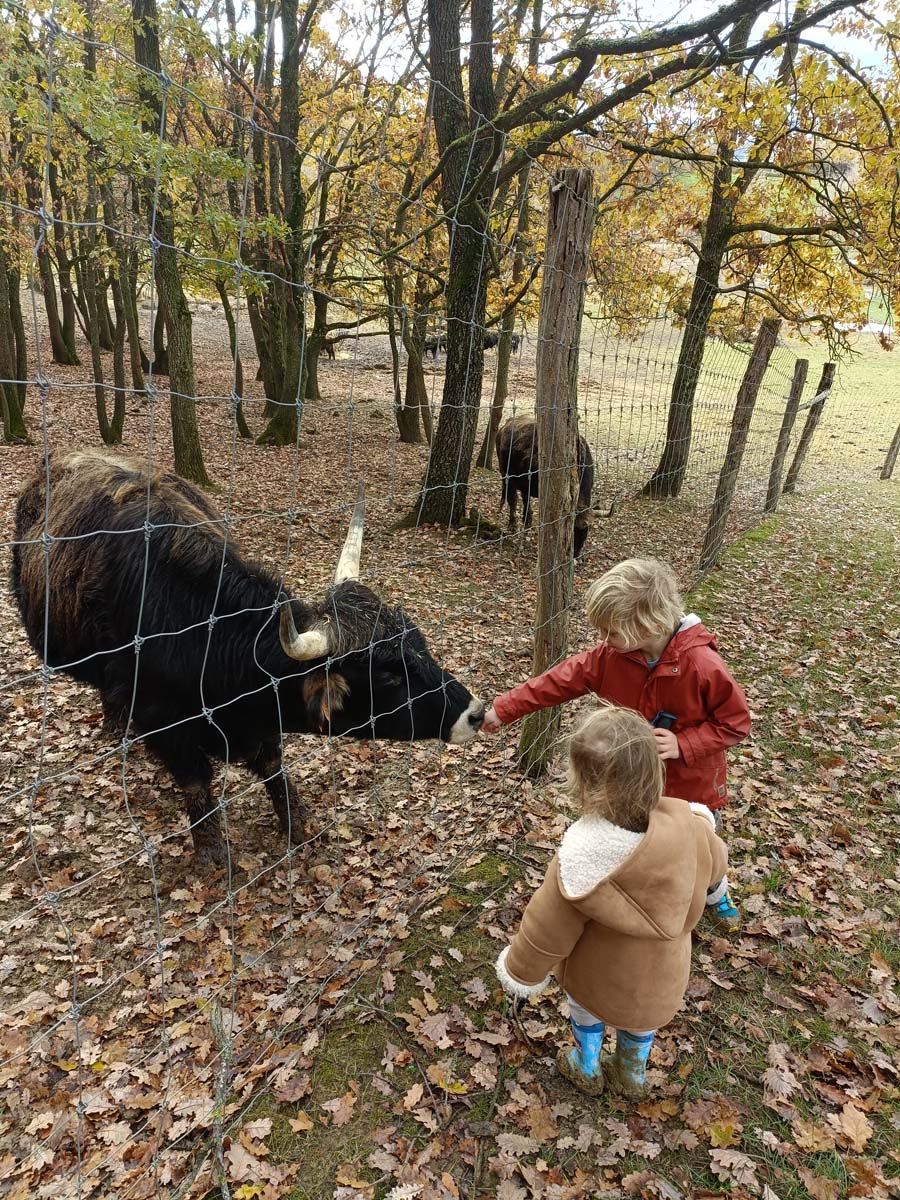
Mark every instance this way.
x=666 y=743
x=492 y=722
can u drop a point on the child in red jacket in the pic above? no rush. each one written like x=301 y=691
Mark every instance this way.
x=654 y=659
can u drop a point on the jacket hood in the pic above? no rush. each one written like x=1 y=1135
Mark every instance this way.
x=640 y=884
x=691 y=632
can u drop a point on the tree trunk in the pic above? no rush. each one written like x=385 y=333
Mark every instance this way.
x=242 y=426
x=395 y=361
x=60 y=351
x=64 y=270
x=18 y=334
x=287 y=303
x=261 y=340
x=784 y=434
x=668 y=478
x=737 y=441
x=14 y=428
x=124 y=303
x=501 y=391
x=160 y=350
x=569 y=223
x=107 y=333
x=444 y=489
x=415 y=395
x=118 y=422
x=92 y=300
x=314 y=344
x=183 y=407
x=812 y=420
x=891 y=458
x=133 y=269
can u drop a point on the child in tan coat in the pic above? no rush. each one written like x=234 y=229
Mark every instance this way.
x=613 y=917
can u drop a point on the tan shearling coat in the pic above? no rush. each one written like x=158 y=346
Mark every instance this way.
x=613 y=917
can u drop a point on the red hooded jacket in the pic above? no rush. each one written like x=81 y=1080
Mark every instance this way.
x=690 y=680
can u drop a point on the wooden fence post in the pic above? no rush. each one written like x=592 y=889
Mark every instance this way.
x=893 y=450
x=740 y=427
x=812 y=420
x=784 y=436
x=570 y=221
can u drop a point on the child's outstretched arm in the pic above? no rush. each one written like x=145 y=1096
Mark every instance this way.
x=550 y=927
x=575 y=676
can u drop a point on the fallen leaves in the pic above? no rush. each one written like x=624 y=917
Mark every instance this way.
x=852 y=1127
x=734 y=1167
x=341 y=1108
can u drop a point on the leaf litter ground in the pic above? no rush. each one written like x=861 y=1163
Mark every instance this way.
x=331 y=1018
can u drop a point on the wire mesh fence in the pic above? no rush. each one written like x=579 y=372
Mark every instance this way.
x=151 y=1009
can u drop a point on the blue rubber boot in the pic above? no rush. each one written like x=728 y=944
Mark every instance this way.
x=626 y=1070
x=581 y=1064
x=723 y=912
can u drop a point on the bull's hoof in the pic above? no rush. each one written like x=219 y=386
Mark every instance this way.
x=210 y=854
x=293 y=828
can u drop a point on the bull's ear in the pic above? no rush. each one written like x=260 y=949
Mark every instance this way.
x=324 y=693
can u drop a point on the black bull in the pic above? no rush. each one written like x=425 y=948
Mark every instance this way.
x=202 y=648
x=517 y=455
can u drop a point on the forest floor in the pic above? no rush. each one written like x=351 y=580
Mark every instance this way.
x=329 y=1024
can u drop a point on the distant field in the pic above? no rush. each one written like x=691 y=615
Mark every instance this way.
x=625 y=386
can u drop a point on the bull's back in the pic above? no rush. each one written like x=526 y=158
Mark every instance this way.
x=517 y=450
x=107 y=534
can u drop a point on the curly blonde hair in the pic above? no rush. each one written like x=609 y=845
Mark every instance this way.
x=614 y=767
x=637 y=599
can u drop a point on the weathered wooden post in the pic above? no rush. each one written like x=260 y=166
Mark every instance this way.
x=893 y=450
x=801 y=367
x=823 y=391
x=740 y=427
x=569 y=224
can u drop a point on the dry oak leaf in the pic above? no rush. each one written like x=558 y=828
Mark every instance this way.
x=647 y=1183
x=302 y=1123
x=258 y=1129
x=516 y=1143
x=818 y=1187
x=346 y=1177
x=852 y=1126
x=810 y=1136
x=435 y=1029
x=734 y=1167
x=241 y=1163
x=341 y=1108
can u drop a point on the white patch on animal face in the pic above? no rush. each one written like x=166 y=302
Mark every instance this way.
x=466 y=726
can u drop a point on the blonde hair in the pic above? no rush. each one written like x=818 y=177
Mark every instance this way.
x=636 y=599
x=614 y=767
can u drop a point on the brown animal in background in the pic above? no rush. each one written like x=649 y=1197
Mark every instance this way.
x=517 y=455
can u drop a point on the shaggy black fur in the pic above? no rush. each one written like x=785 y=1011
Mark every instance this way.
x=517 y=455
x=198 y=687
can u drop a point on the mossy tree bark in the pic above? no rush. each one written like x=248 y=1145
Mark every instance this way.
x=570 y=221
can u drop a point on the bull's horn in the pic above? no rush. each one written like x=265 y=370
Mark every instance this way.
x=348 y=563
x=313 y=643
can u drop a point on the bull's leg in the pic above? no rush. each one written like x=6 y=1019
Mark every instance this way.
x=116 y=693
x=513 y=499
x=526 y=508
x=268 y=766
x=192 y=771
